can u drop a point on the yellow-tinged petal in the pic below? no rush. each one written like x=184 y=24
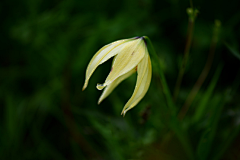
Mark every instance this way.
x=144 y=71
x=129 y=57
x=114 y=84
x=103 y=55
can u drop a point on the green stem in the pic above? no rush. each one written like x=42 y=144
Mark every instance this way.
x=204 y=73
x=191 y=3
x=166 y=90
x=174 y=123
x=192 y=15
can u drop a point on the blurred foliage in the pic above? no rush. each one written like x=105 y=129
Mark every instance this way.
x=45 y=49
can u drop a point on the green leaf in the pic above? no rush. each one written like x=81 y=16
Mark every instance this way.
x=224 y=146
x=174 y=123
x=204 y=146
x=200 y=110
x=202 y=149
x=166 y=91
x=233 y=51
x=220 y=150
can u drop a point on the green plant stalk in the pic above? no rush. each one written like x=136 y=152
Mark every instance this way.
x=191 y=3
x=225 y=145
x=174 y=124
x=232 y=50
x=201 y=107
x=166 y=90
x=192 y=15
x=205 y=145
x=204 y=73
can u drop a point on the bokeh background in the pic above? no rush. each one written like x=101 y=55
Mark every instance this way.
x=47 y=45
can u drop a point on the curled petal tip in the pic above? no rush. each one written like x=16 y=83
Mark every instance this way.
x=100 y=86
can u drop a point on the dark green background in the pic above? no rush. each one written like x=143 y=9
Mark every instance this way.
x=46 y=47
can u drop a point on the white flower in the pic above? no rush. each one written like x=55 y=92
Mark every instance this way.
x=131 y=55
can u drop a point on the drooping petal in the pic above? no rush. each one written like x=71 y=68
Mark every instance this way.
x=103 y=55
x=114 y=84
x=129 y=57
x=144 y=71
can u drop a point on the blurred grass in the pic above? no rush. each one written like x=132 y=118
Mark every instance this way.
x=45 y=49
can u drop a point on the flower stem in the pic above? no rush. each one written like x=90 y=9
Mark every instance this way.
x=166 y=90
x=192 y=16
x=174 y=123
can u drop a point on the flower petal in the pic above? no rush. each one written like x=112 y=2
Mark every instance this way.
x=144 y=71
x=114 y=84
x=103 y=55
x=129 y=57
